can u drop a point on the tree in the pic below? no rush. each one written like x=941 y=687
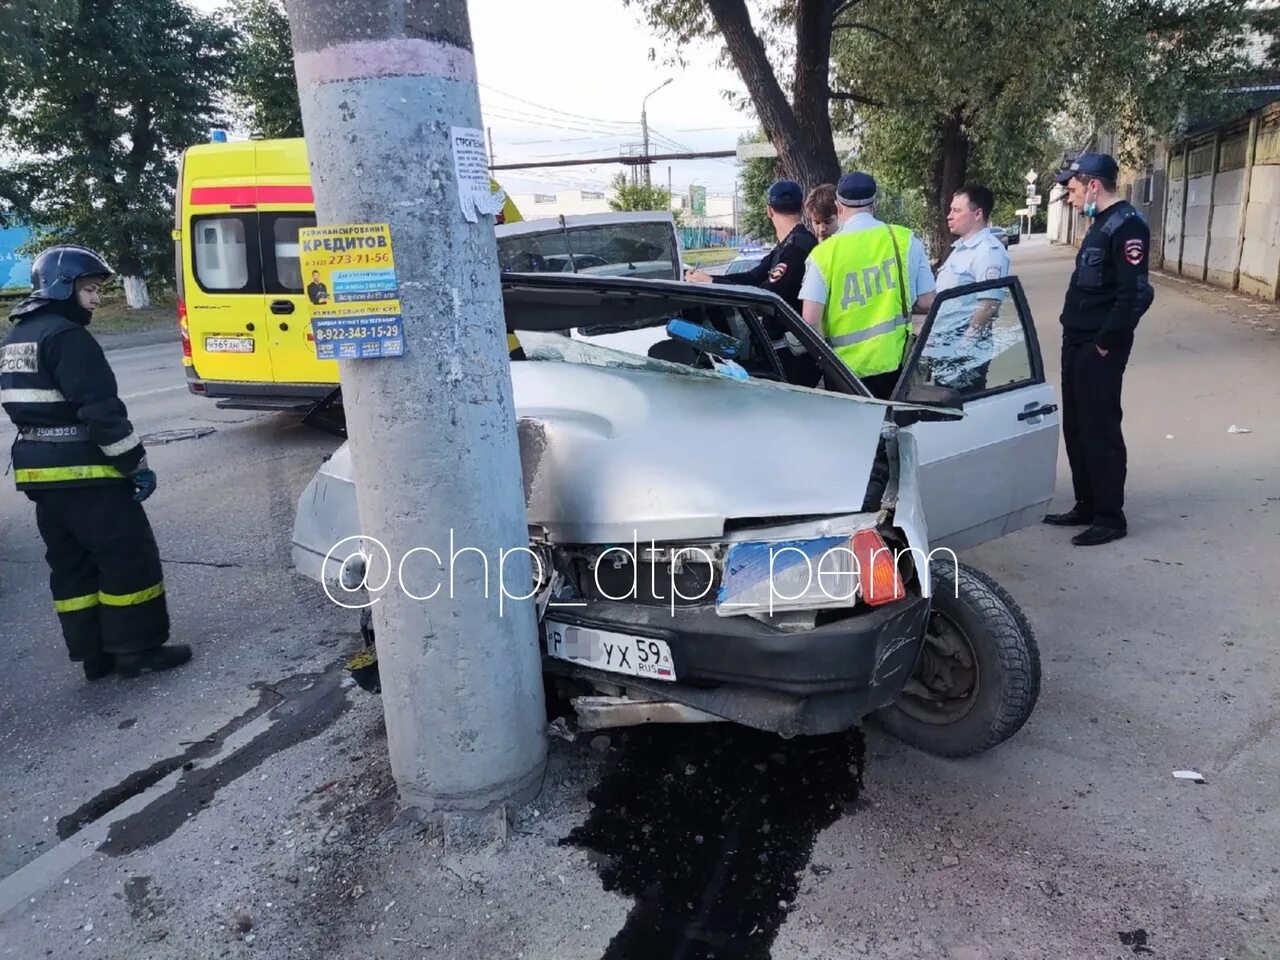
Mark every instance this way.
x=99 y=140
x=21 y=56
x=265 y=86
x=754 y=178
x=799 y=127
x=639 y=196
x=942 y=90
x=1129 y=67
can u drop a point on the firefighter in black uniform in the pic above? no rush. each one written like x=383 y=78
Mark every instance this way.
x=76 y=456
x=782 y=271
x=1109 y=292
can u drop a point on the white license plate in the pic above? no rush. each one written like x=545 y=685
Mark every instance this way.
x=616 y=652
x=228 y=344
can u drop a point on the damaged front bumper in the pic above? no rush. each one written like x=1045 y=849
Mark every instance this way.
x=813 y=681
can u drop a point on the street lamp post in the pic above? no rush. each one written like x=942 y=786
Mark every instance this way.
x=644 y=127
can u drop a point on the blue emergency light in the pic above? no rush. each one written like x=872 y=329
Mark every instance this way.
x=218 y=136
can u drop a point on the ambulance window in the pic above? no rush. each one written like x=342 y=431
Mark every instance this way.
x=222 y=255
x=284 y=265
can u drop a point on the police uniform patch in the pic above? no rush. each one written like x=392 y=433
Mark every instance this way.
x=1133 y=251
x=777 y=272
x=993 y=273
x=20 y=358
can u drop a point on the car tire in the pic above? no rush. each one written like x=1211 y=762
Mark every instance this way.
x=977 y=678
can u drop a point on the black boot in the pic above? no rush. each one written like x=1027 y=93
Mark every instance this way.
x=98 y=666
x=1077 y=516
x=153 y=661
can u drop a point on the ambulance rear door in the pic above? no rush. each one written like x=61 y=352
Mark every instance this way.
x=226 y=307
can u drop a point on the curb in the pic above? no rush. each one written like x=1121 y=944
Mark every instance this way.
x=142 y=338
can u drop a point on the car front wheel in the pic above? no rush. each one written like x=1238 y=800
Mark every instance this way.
x=977 y=678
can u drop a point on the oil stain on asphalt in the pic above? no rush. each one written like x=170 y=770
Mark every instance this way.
x=301 y=707
x=708 y=828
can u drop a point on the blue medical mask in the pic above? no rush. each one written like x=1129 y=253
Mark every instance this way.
x=1090 y=207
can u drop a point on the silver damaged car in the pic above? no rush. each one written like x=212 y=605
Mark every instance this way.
x=733 y=530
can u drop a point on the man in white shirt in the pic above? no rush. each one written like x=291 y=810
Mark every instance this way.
x=961 y=344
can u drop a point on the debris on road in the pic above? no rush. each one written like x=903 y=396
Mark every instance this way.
x=559 y=728
x=1234 y=429
x=172 y=436
x=1189 y=775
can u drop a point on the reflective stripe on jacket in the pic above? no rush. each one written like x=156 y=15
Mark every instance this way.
x=864 y=322
x=59 y=391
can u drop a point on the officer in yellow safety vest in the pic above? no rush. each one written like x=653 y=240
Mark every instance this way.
x=862 y=284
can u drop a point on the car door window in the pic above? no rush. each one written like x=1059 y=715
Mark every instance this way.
x=993 y=471
x=975 y=342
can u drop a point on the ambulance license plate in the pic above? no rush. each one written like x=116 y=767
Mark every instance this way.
x=228 y=344
x=616 y=652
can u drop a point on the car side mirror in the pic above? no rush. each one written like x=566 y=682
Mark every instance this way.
x=701 y=338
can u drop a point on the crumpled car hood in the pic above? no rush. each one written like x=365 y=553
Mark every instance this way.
x=612 y=453
x=615 y=453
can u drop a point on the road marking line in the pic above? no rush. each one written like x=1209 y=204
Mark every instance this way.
x=147 y=393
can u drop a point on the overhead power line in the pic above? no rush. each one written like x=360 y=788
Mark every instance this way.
x=635 y=160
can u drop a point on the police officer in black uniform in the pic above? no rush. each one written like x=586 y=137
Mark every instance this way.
x=78 y=459
x=1109 y=292
x=782 y=271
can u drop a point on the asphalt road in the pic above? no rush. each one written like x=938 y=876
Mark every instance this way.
x=222 y=514
x=1072 y=840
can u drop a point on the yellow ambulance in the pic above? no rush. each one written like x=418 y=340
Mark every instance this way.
x=242 y=306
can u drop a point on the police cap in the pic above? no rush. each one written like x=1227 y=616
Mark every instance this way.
x=785 y=196
x=856 y=189
x=1098 y=165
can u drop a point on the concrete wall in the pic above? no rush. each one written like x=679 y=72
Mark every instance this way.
x=1224 y=236
x=1172 y=235
x=1195 y=227
x=1260 y=259
x=1226 y=230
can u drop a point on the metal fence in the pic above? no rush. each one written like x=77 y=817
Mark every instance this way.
x=698 y=238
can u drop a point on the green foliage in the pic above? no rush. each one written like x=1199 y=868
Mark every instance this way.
x=998 y=73
x=754 y=179
x=265 y=86
x=21 y=57
x=104 y=123
x=639 y=196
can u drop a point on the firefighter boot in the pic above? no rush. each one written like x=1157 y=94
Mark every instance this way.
x=99 y=666
x=152 y=661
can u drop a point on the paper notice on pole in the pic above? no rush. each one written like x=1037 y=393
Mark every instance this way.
x=471 y=166
x=349 y=277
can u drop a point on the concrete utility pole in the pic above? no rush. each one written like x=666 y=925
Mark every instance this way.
x=433 y=433
x=644 y=127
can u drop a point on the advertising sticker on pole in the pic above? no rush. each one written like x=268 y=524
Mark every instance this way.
x=350 y=276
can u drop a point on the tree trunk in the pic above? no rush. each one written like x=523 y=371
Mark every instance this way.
x=135 y=291
x=135 y=286
x=811 y=92
x=950 y=167
x=798 y=158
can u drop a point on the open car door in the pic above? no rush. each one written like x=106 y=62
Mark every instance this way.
x=994 y=471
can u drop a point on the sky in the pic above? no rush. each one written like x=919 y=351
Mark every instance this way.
x=565 y=79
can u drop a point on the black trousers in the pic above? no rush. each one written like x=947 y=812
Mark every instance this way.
x=1091 y=415
x=104 y=569
x=881 y=384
